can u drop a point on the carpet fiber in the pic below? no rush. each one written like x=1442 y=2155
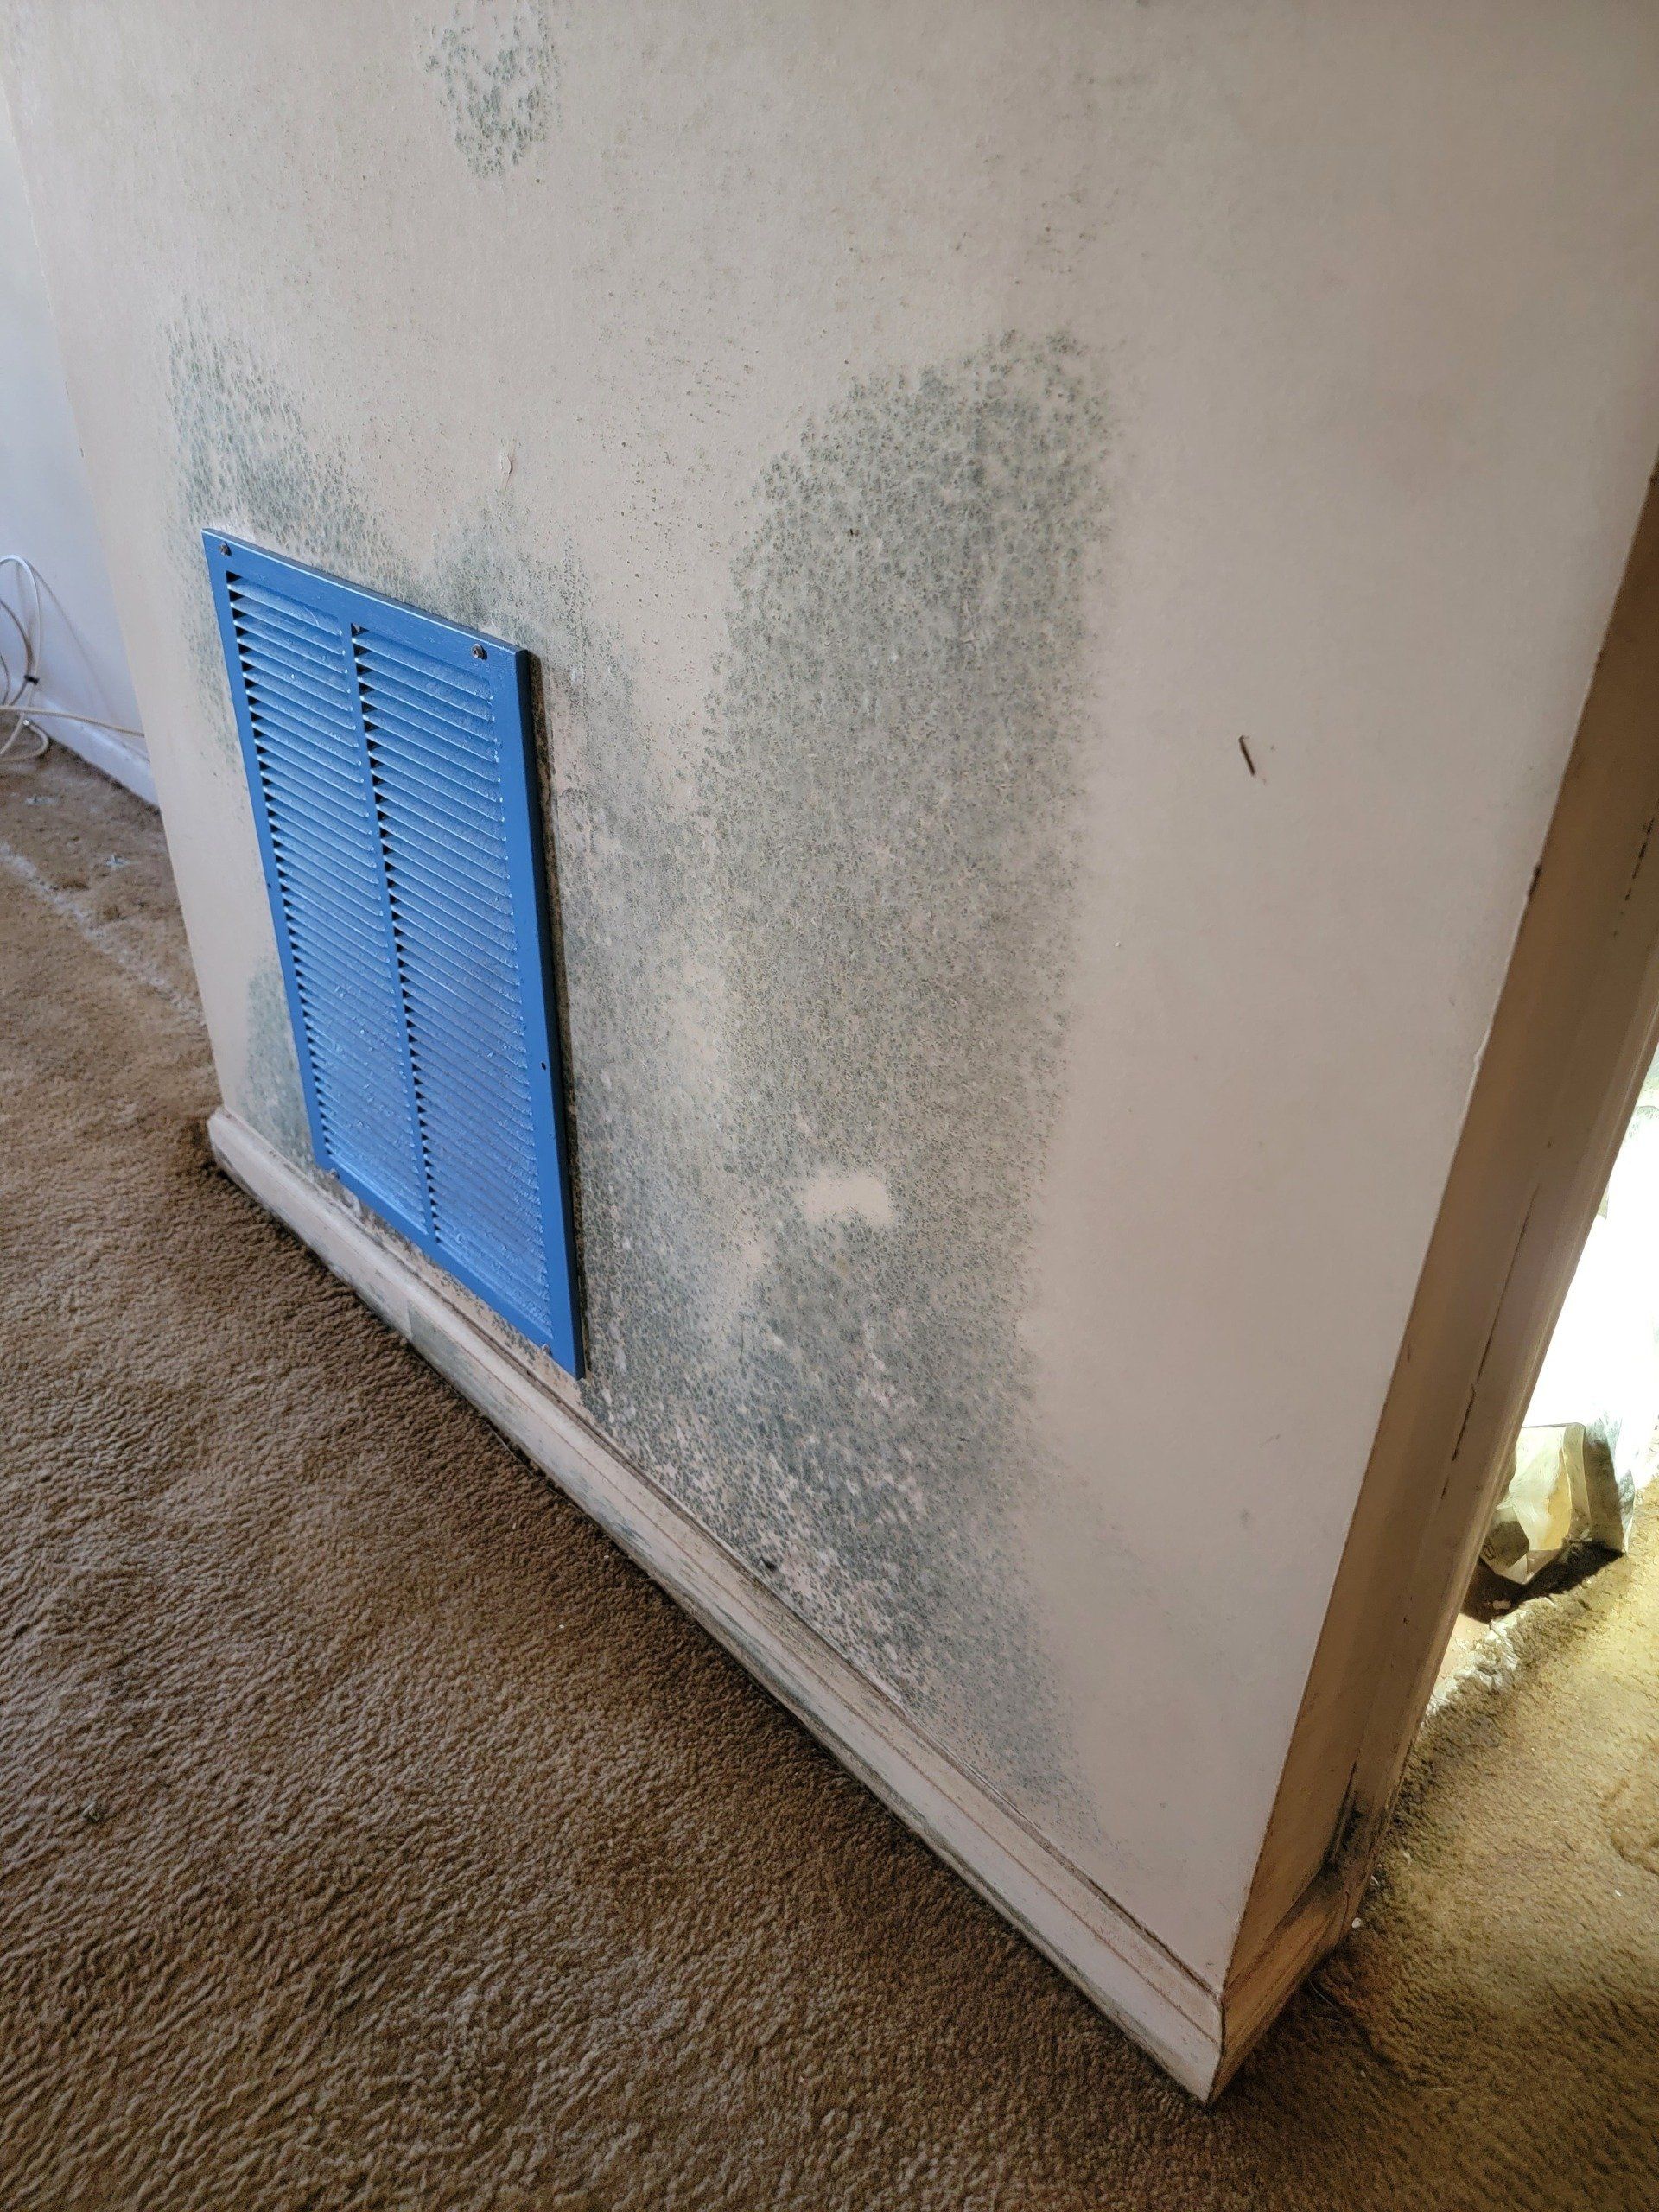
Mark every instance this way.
x=371 y=1833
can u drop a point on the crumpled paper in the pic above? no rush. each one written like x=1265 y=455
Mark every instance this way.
x=1563 y=1493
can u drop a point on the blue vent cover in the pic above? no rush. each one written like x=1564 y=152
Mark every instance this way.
x=393 y=775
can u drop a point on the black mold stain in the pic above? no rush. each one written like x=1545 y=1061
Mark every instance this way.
x=497 y=71
x=818 y=953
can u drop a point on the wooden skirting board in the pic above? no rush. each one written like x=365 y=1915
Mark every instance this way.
x=1118 y=1964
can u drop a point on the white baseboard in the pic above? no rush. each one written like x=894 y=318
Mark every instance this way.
x=1125 y=1971
x=116 y=757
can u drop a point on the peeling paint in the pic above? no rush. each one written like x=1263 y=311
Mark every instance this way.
x=496 y=70
x=816 y=951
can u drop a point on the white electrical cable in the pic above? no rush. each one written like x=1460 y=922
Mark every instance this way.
x=18 y=715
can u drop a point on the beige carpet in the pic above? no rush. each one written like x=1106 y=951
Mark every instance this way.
x=372 y=1834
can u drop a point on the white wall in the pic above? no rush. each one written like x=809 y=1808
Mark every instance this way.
x=919 y=442
x=45 y=509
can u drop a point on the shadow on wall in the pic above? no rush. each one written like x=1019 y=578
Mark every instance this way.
x=816 y=954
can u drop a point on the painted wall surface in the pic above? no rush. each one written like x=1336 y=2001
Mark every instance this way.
x=1065 y=543
x=46 y=508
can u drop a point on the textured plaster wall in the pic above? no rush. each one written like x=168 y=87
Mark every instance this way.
x=920 y=444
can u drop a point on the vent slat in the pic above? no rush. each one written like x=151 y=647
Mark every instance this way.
x=472 y=866
x=333 y=789
x=494 y=1237
x=467 y=868
x=306 y=755
x=312 y=722
x=469 y=1032
x=324 y=974
x=496 y=1085
x=340 y=934
x=470 y=1005
x=303 y=801
x=471 y=1217
x=479 y=998
x=464 y=950
x=446 y=682
x=393 y=705
x=482 y=914
x=308 y=720
x=323 y=686
x=440 y=800
x=349 y=916
x=310 y=659
x=331 y=774
x=440 y=1075
x=310 y=726
x=474 y=935
x=307 y=744
x=323 y=856
x=245 y=592
x=470 y=1185
x=264 y=621
x=418 y=752
x=469 y=1209
x=316 y=823
x=313 y=841
x=412 y=771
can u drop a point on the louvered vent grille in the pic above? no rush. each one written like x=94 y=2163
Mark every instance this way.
x=438 y=784
x=295 y=668
x=394 y=790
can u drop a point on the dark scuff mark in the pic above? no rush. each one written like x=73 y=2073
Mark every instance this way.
x=1642 y=854
x=1491 y=1339
x=1350 y=1821
x=496 y=70
x=1243 y=746
x=817 y=952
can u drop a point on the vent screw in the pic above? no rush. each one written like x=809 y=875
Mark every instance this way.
x=479 y=653
x=223 y=547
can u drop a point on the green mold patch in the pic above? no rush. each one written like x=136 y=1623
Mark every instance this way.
x=815 y=952
x=819 y=996
x=496 y=71
x=271 y=1099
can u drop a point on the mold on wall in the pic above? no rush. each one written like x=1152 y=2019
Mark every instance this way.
x=812 y=1141
x=496 y=71
x=243 y=451
x=699 y=395
x=272 y=1100
x=817 y=956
